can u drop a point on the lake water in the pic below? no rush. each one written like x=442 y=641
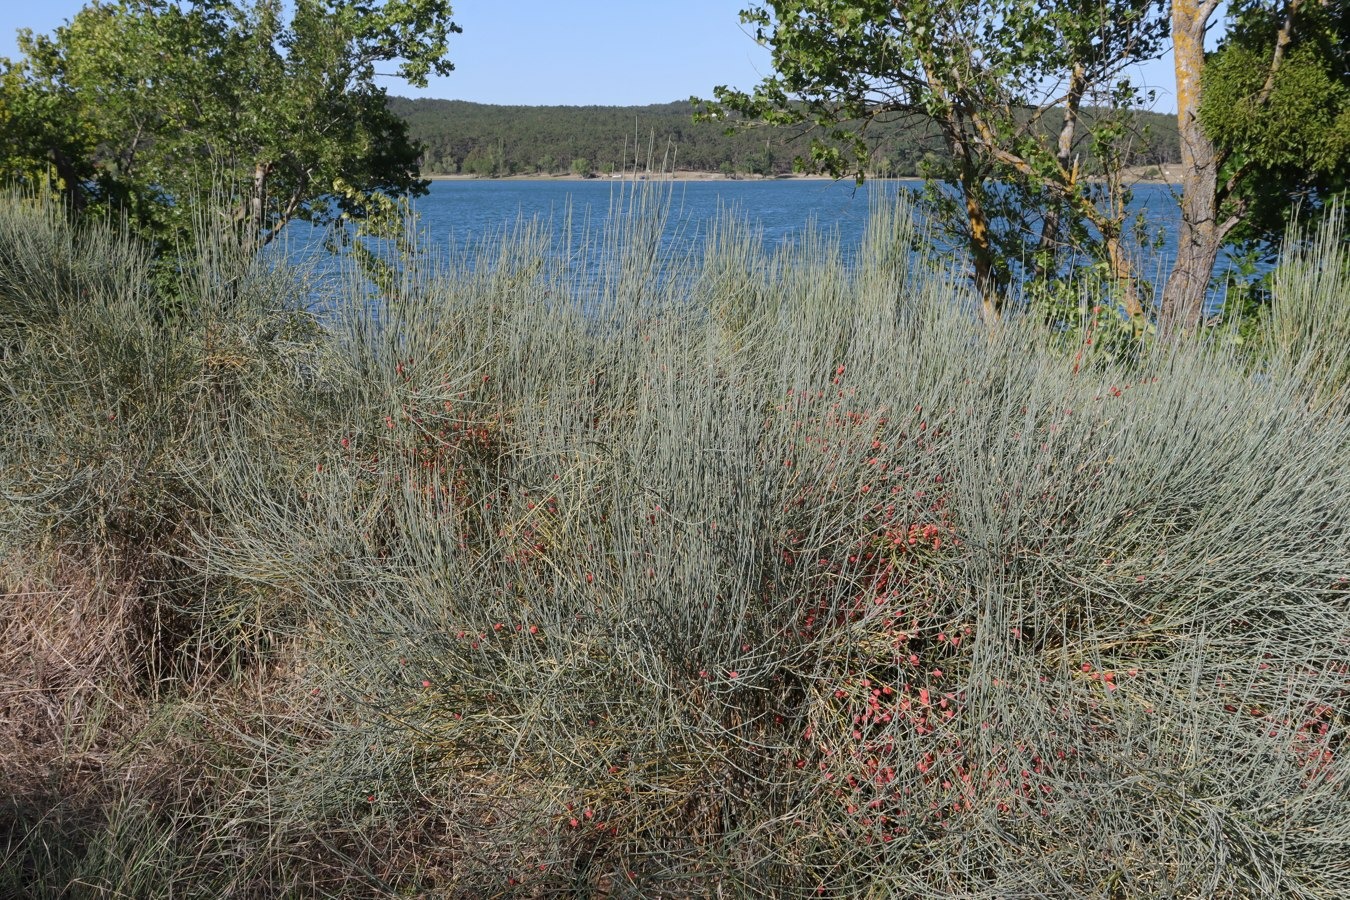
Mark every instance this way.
x=460 y=215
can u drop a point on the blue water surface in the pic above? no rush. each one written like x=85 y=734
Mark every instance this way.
x=459 y=217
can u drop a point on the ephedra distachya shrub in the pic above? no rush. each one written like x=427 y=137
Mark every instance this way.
x=645 y=571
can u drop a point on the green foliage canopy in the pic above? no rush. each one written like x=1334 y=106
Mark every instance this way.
x=1005 y=83
x=146 y=107
x=1283 y=128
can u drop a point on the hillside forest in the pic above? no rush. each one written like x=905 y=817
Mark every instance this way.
x=465 y=138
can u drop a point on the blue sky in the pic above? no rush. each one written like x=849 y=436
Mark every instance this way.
x=601 y=52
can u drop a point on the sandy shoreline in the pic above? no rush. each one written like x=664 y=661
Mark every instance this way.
x=634 y=176
x=1167 y=174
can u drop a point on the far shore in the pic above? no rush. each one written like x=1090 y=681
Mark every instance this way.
x=1166 y=174
x=689 y=175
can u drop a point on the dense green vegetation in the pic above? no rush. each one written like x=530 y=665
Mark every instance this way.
x=1006 y=83
x=1283 y=132
x=150 y=110
x=1264 y=123
x=1263 y=126
x=480 y=139
x=609 y=573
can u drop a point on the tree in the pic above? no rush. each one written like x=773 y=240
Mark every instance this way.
x=1005 y=82
x=145 y=107
x=1265 y=127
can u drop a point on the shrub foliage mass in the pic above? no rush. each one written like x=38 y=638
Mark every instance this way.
x=606 y=572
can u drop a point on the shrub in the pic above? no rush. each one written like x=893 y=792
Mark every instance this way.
x=609 y=571
x=1309 y=325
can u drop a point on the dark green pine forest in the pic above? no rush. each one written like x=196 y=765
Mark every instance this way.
x=459 y=137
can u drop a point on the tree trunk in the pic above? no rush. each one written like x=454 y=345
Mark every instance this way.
x=256 y=210
x=1200 y=236
x=1048 y=250
x=71 y=187
x=989 y=282
x=992 y=287
x=1122 y=271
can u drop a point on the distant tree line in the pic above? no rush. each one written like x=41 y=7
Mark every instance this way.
x=491 y=141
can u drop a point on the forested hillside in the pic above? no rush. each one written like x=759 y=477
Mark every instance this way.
x=479 y=139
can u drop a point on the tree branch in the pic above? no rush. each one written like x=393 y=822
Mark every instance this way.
x=1203 y=13
x=292 y=204
x=1226 y=190
x=1282 y=40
